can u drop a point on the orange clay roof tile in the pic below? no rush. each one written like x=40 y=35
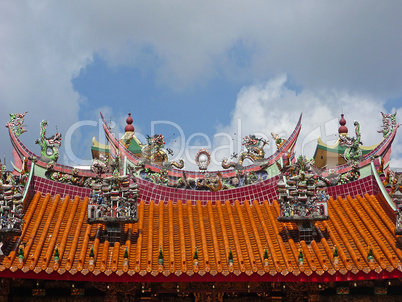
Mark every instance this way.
x=354 y=226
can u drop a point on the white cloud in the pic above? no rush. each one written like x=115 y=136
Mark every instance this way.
x=37 y=63
x=343 y=45
x=272 y=106
x=322 y=45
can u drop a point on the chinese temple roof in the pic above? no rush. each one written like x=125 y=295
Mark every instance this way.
x=197 y=240
x=130 y=218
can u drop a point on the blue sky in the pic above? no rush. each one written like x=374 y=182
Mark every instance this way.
x=217 y=74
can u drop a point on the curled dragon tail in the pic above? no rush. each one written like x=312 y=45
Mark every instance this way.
x=178 y=164
x=226 y=164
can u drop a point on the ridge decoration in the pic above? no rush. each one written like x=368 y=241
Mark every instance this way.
x=388 y=123
x=254 y=151
x=49 y=146
x=17 y=123
x=353 y=153
x=114 y=198
x=154 y=151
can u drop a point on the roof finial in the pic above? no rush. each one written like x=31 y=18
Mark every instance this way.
x=343 y=130
x=129 y=121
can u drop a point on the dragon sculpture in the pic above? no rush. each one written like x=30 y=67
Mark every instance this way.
x=155 y=152
x=49 y=146
x=226 y=164
x=304 y=166
x=17 y=123
x=353 y=153
x=254 y=151
x=254 y=148
x=388 y=123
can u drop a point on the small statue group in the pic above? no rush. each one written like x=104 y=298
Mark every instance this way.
x=11 y=193
x=113 y=198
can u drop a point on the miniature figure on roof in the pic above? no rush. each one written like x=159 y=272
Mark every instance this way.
x=49 y=146
x=11 y=193
x=154 y=151
x=100 y=166
x=278 y=140
x=395 y=191
x=254 y=148
x=114 y=198
x=254 y=152
x=302 y=196
x=388 y=123
x=17 y=123
x=353 y=153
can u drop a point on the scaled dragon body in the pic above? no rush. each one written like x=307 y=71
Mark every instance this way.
x=353 y=153
x=155 y=152
x=17 y=123
x=254 y=151
x=254 y=148
x=388 y=123
x=49 y=146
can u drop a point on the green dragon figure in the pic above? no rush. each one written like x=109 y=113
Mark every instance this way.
x=353 y=153
x=48 y=146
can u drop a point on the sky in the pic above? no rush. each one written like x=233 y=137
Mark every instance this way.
x=203 y=73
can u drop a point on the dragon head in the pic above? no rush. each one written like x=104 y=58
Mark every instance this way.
x=55 y=140
x=158 y=139
x=345 y=140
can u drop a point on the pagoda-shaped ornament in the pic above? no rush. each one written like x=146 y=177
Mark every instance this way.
x=397 y=198
x=302 y=199
x=113 y=202
x=11 y=214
